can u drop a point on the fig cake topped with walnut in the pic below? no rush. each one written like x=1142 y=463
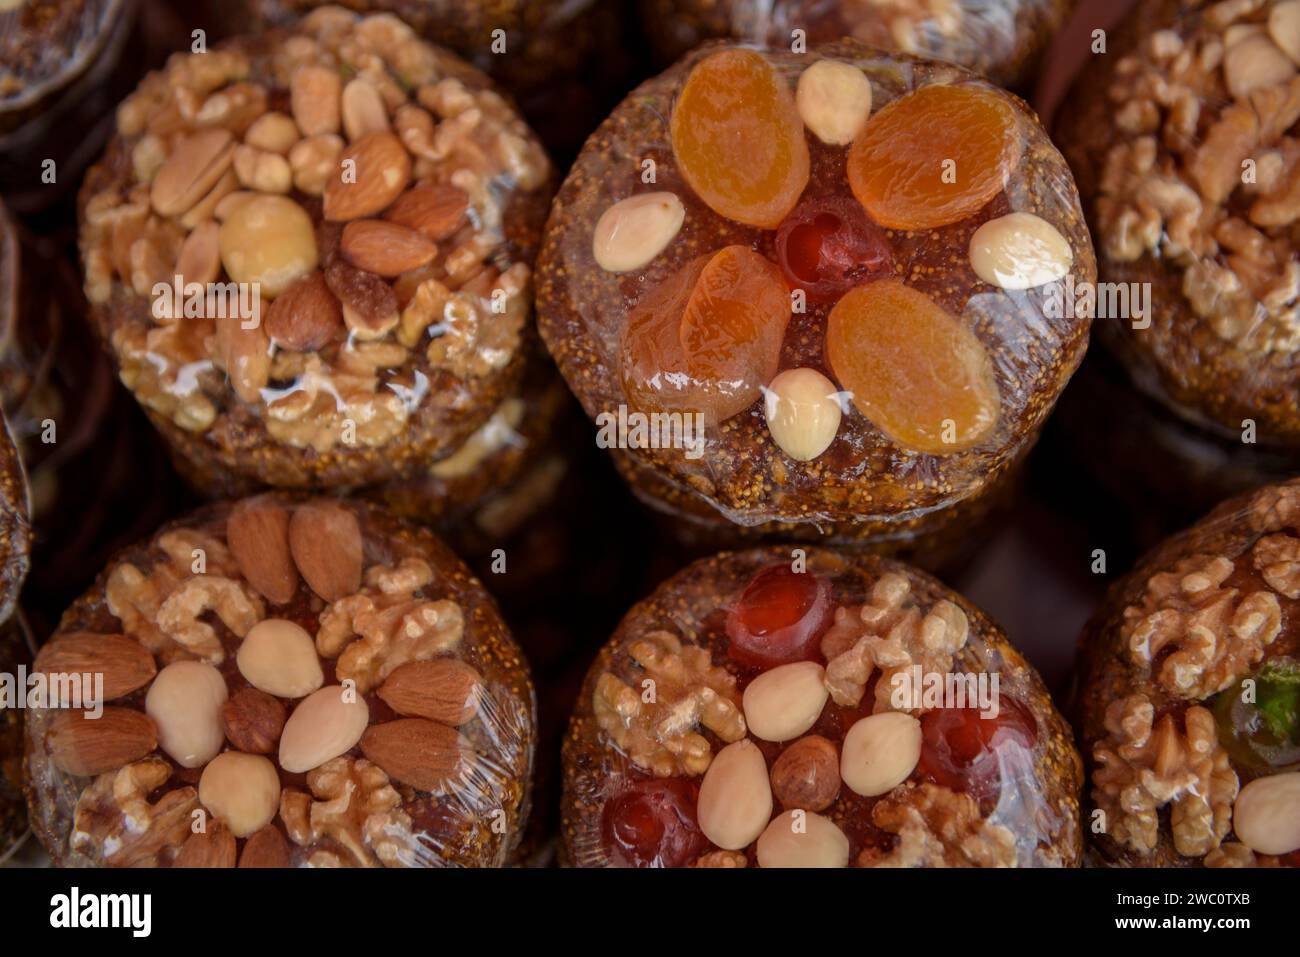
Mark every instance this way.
x=755 y=710
x=285 y=682
x=386 y=202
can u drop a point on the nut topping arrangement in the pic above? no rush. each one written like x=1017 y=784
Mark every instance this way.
x=809 y=777
x=333 y=675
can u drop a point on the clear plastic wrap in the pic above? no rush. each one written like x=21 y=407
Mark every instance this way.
x=759 y=686
x=1183 y=136
x=1188 y=695
x=285 y=682
x=1002 y=39
x=353 y=214
x=867 y=482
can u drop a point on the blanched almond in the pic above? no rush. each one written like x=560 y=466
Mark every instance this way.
x=279 y=657
x=880 y=752
x=803 y=413
x=185 y=703
x=325 y=540
x=1255 y=63
x=241 y=790
x=193 y=168
x=200 y=256
x=1284 y=28
x=323 y=726
x=314 y=93
x=634 y=231
x=1266 y=817
x=802 y=839
x=363 y=109
x=735 y=801
x=1019 y=251
x=257 y=532
x=786 y=701
x=834 y=101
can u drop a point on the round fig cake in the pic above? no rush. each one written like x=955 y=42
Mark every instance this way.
x=819 y=294
x=1189 y=695
x=1002 y=40
x=815 y=709
x=15 y=642
x=284 y=682
x=1185 y=138
x=352 y=214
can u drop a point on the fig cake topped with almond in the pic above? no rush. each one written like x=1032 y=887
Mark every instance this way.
x=836 y=270
x=755 y=710
x=353 y=215
x=285 y=682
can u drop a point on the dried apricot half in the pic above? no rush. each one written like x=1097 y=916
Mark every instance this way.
x=912 y=368
x=739 y=140
x=934 y=156
x=709 y=337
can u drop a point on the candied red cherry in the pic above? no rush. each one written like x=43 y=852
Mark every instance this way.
x=652 y=824
x=959 y=748
x=779 y=617
x=827 y=246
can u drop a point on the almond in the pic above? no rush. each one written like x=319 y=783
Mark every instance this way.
x=85 y=746
x=257 y=532
x=214 y=847
x=445 y=689
x=385 y=249
x=372 y=173
x=193 y=168
x=434 y=209
x=241 y=790
x=265 y=848
x=306 y=316
x=369 y=303
x=253 y=721
x=423 y=754
x=314 y=93
x=124 y=662
x=325 y=539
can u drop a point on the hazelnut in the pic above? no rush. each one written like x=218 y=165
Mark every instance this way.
x=1019 y=251
x=1266 y=816
x=834 y=100
x=803 y=413
x=802 y=839
x=279 y=657
x=807 y=774
x=634 y=231
x=735 y=800
x=323 y=726
x=786 y=701
x=241 y=790
x=273 y=132
x=880 y=752
x=253 y=721
x=185 y=703
x=268 y=240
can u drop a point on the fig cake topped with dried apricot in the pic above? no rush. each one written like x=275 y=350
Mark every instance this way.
x=284 y=682
x=353 y=215
x=834 y=274
x=815 y=709
x=1189 y=695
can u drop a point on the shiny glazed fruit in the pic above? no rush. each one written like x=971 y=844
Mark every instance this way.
x=708 y=338
x=739 y=140
x=959 y=748
x=827 y=246
x=779 y=617
x=1263 y=735
x=652 y=824
x=897 y=164
x=913 y=369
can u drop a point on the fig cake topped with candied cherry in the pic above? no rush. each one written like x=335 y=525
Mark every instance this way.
x=285 y=682
x=842 y=264
x=755 y=710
